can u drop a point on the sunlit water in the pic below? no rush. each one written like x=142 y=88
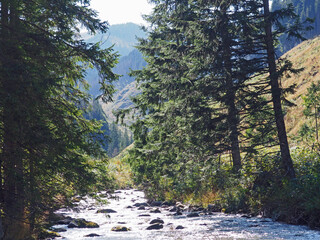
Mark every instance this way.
x=217 y=226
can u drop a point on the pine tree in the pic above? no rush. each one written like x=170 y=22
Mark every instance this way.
x=45 y=140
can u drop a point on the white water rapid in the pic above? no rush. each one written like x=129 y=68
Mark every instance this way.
x=218 y=226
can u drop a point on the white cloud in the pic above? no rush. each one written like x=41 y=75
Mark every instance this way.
x=121 y=11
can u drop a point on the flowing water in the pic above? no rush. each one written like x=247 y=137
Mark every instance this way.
x=217 y=226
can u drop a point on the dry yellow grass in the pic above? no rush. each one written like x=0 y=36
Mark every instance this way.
x=307 y=56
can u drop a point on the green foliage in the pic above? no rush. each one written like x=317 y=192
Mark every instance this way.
x=205 y=93
x=47 y=145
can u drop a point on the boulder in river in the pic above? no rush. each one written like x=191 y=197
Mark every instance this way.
x=59 y=230
x=141 y=204
x=179 y=227
x=106 y=211
x=156 y=226
x=193 y=214
x=120 y=229
x=155 y=210
x=64 y=221
x=82 y=223
x=92 y=235
x=157 y=220
x=142 y=208
x=174 y=209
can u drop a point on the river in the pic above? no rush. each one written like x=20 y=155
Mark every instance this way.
x=218 y=226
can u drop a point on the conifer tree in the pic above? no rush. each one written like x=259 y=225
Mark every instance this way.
x=45 y=140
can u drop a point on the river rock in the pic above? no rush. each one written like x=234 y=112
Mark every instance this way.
x=59 y=230
x=92 y=235
x=158 y=220
x=180 y=205
x=193 y=214
x=179 y=227
x=59 y=219
x=142 y=208
x=82 y=223
x=156 y=226
x=141 y=204
x=155 y=210
x=64 y=221
x=174 y=209
x=120 y=229
x=106 y=211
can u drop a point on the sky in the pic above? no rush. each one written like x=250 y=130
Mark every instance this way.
x=121 y=11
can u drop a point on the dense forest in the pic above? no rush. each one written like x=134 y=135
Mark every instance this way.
x=209 y=123
x=212 y=110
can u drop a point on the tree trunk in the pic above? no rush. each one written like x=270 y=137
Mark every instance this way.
x=276 y=96
x=232 y=120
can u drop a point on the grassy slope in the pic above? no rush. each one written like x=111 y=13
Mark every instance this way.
x=306 y=55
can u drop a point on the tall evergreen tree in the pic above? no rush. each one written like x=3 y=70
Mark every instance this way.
x=44 y=136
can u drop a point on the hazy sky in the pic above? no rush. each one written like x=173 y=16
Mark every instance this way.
x=121 y=11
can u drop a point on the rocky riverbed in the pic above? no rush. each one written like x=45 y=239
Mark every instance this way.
x=127 y=215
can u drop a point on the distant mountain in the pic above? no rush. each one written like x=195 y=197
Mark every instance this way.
x=133 y=61
x=122 y=36
x=126 y=85
x=305 y=9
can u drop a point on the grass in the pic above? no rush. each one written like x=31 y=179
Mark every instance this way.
x=307 y=56
x=120 y=170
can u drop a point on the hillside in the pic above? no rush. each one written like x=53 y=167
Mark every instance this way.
x=306 y=55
